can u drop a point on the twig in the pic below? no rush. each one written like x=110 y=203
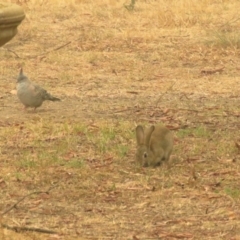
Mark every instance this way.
x=170 y=88
x=45 y=53
x=230 y=21
x=21 y=199
x=12 y=52
x=123 y=110
x=132 y=92
x=57 y=48
x=184 y=109
x=31 y=229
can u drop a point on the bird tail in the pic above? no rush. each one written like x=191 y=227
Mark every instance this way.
x=51 y=98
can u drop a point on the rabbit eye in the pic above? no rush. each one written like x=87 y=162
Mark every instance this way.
x=145 y=155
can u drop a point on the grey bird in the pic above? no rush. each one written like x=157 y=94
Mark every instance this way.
x=30 y=94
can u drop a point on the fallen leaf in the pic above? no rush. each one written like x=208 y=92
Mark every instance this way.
x=212 y=71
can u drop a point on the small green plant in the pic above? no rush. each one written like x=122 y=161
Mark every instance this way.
x=93 y=58
x=112 y=187
x=19 y=176
x=130 y=7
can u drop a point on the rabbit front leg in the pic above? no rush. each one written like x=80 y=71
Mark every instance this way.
x=158 y=157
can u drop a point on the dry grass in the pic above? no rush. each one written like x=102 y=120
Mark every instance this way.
x=115 y=67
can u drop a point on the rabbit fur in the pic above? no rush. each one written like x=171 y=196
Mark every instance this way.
x=154 y=145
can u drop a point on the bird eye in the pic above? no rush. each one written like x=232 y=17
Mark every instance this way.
x=145 y=155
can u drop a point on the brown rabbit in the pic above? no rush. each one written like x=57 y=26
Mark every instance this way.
x=154 y=145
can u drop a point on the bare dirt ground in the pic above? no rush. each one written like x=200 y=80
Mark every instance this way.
x=113 y=67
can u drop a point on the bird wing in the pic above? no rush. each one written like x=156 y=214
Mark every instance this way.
x=37 y=90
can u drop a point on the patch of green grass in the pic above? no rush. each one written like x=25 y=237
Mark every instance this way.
x=224 y=39
x=110 y=137
x=104 y=141
x=201 y=132
x=75 y=163
x=232 y=192
x=184 y=132
x=225 y=147
x=80 y=129
x=27 y=162
x=104 y=138
x=122 y=150
x=195 y=132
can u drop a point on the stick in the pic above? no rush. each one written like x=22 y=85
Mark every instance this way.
x=12 y=52
x=31 y=229
x=230 y=21
x=57 y=48
x=170 y=88
x=17 y=229
x=21 y=199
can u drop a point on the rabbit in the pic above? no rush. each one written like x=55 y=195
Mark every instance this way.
x=154 y=145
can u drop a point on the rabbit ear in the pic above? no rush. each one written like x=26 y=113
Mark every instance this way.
x=140 y=135
x=148 y=135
